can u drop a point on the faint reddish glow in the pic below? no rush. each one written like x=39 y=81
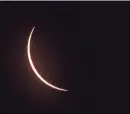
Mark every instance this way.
x=33 y=67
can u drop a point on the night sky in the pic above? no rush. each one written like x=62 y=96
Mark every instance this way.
x=79 y=46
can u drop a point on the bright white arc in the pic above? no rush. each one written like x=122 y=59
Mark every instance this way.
x=33 y=67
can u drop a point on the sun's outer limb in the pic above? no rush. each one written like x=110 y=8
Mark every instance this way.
x=33 y=67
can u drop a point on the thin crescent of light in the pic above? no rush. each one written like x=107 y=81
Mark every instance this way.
x=33 y=67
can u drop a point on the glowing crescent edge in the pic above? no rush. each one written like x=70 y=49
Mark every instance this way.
x=34 y=69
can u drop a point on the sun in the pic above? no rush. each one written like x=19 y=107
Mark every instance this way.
x=33 y=67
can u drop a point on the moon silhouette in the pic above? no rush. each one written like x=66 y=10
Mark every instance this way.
x=35 y=70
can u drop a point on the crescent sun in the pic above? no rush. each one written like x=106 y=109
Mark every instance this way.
x=34 y=69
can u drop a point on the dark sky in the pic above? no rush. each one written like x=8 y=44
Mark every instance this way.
x=80 y=46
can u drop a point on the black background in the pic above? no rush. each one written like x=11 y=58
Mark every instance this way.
x=80 y=46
